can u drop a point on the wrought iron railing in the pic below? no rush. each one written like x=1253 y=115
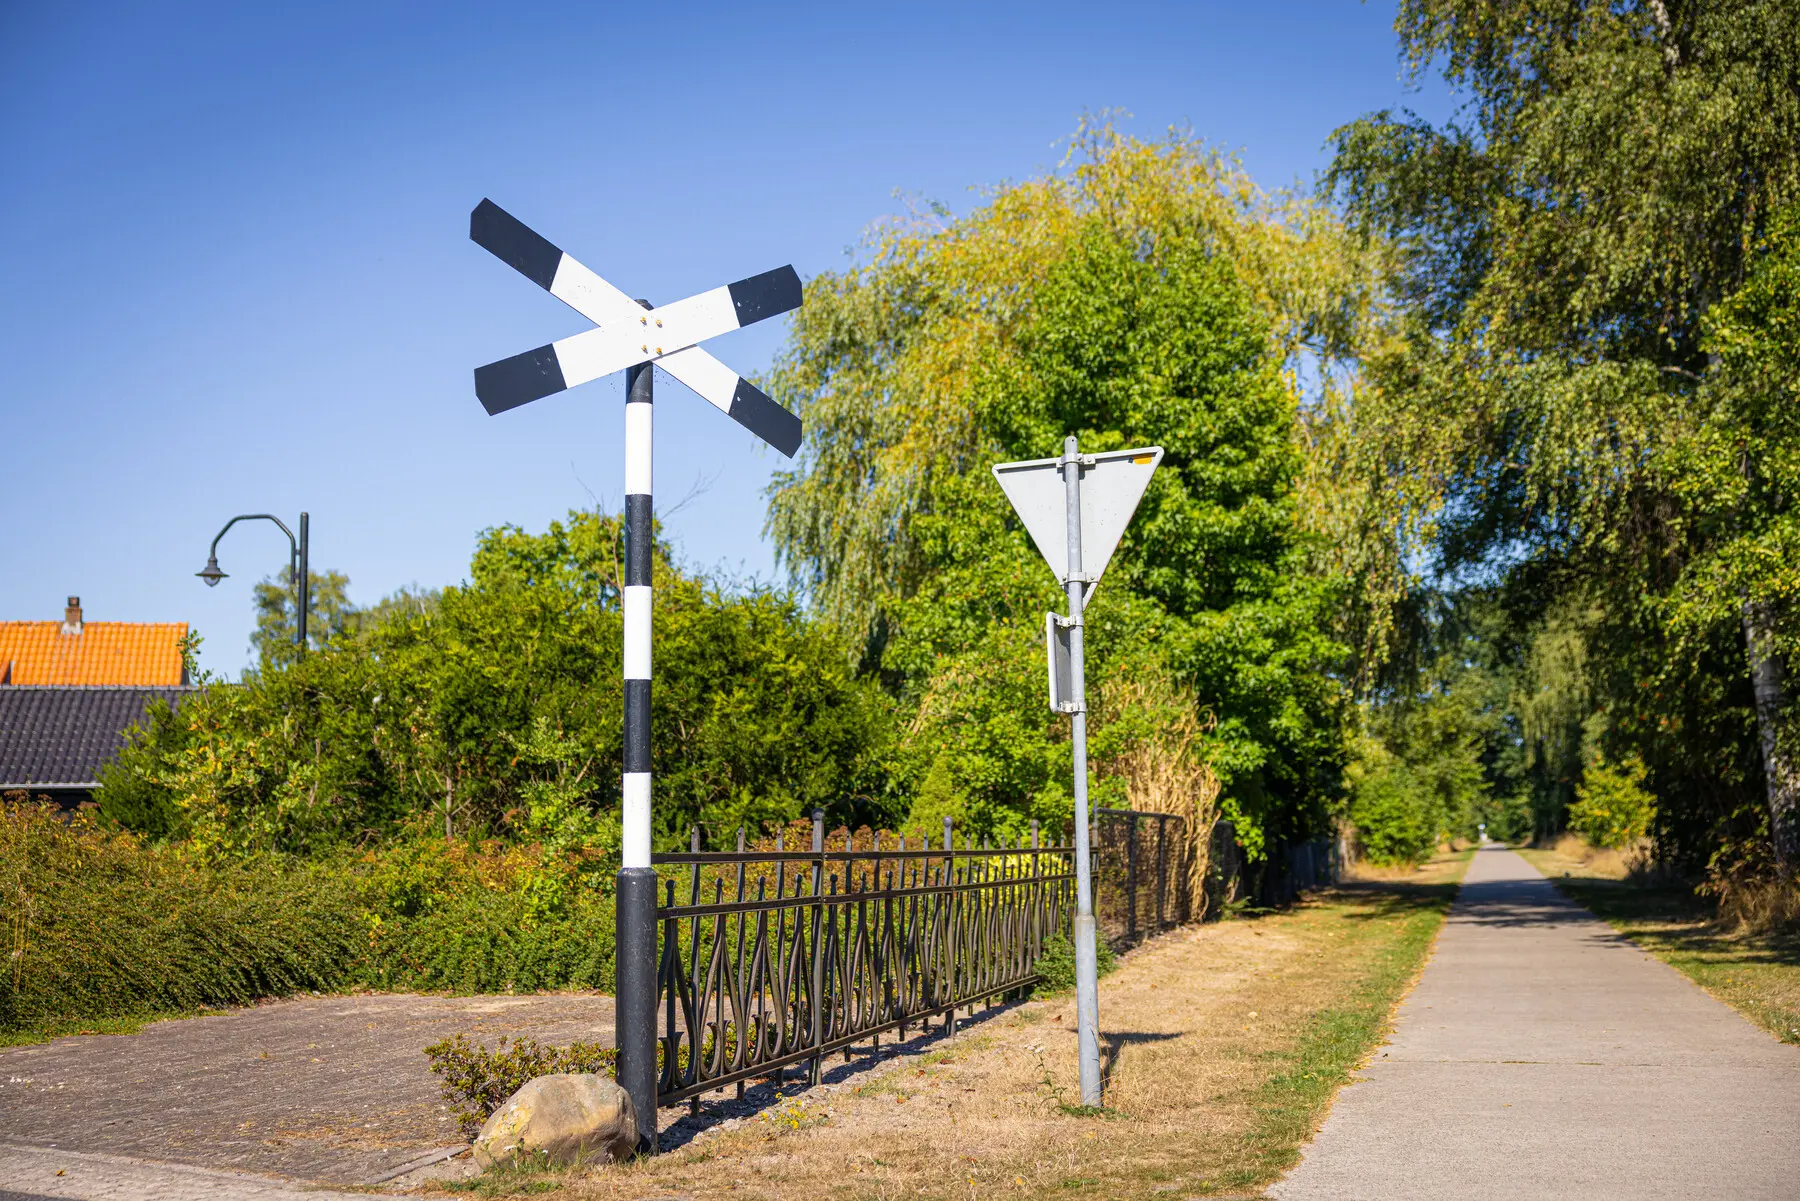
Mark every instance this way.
x=1143 y=873
x=773 y=957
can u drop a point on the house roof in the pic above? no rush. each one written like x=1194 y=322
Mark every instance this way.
x=62 y=737
x=141 y=654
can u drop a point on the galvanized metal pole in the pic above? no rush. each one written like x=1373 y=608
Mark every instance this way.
x=634 y=1010
x=1087 y=985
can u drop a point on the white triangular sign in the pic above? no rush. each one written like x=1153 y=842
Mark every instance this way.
x=1111 y=486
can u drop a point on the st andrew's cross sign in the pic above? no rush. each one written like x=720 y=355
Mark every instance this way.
x=630 y=336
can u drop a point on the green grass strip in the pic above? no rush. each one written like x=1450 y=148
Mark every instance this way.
x=1293 y=1101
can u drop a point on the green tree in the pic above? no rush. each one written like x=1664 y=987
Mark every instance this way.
x=1441 y=750
x=1147 y=294
x=1564 y=246
x=497 y=710
x=1612 y=809
x=329 y=614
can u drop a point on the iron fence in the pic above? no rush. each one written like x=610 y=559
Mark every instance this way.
x=772 y=957
x=1143 y=865
x=776 y=957
x=1285 y=870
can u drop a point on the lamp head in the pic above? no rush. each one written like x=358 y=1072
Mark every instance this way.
x=212 y=575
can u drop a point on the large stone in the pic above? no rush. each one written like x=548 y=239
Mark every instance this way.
x=577 y=1117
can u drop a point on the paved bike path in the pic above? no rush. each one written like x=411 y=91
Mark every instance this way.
x=1544 y=1056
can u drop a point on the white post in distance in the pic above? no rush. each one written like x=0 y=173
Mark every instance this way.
x=1075 y=524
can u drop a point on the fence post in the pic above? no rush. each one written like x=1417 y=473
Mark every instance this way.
x=1036 y=941
x=818 y=947
x=696 y=1036
x=743 y=1049
x=952 y=907
x=1131 y=875
x=899 y=948
x=1162 y=865
x=849 y=863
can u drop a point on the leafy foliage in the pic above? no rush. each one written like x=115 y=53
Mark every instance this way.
x=477 y=1081
x=101 y=924
x=1149 y=294
x=1585 y=401
x=329 y=615
x=1611 y=808
x=98 y=926
x=497 y=709
x=1056 y=965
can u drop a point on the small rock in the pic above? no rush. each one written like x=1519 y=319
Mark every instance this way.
x=563 y=1119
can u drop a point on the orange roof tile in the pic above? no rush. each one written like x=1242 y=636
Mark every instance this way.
x=145 y=654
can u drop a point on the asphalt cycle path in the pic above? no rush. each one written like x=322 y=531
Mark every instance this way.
x=1542 y=1055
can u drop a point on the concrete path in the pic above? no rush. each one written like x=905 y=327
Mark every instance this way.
x=1544 y=1056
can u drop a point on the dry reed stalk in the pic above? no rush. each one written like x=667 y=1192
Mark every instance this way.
x=1166 y=772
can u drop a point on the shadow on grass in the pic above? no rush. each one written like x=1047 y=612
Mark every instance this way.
x=763 y=1095
x=1114 y=1044
x=1676 y=918
x=1383 y=900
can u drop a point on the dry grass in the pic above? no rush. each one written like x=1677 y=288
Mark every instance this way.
x=1598 y=862
x=1761 y=906
x=1754 y=970
x=1223 y=1045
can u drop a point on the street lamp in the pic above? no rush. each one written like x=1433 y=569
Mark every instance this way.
x=296 y=564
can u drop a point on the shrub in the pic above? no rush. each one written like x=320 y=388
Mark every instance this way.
x=1056 y=965
x=485 y=917
x=1395 y=821
x=483 y=940
x=477 y=1081
x=98 y=926
x=1612 y=807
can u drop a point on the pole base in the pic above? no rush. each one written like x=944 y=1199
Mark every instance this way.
x=634 y=997
x=1087 y=1008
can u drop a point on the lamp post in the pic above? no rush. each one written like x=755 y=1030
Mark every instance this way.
x=296 y=565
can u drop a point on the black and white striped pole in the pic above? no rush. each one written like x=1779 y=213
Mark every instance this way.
x=631 y=336
x=634 y=955
x=1076 y=508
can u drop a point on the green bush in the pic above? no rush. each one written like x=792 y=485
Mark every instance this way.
x=483 y=941
x=1056 y=965
x=477 y=1081
x=1612 y=807
x=486 y=916
x=100 y=927
x=1396 y=821
x=497 y=710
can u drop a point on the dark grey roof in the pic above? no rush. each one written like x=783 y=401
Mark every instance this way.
x=62 y=737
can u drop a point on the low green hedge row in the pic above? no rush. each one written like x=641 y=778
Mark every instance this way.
x=98 y=925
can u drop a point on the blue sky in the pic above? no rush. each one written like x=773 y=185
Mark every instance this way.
x=237 y=276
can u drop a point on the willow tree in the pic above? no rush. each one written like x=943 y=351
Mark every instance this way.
x=1143 y=293
x=1565 y=245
